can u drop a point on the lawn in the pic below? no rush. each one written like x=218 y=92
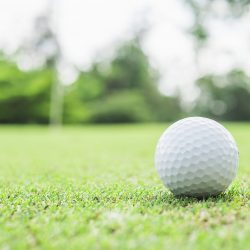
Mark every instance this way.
x=97 y=188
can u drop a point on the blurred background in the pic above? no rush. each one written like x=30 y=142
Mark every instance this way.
x=94 y=61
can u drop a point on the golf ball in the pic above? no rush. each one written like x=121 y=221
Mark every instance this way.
x=196 y=157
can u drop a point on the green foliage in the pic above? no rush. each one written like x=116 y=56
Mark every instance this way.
x=163 y=108
x=24 y=96
x=95 y=187
x=86 y=89
x=122 y=90
x=239 y=7
x=75 y=111
x=226 y=97
x=200 y=10
x=199 y=32
x=89 y=86
x=119 y=107
x=203 y=10
x=130 y=69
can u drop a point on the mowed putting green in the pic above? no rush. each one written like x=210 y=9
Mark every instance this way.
x=95 y=187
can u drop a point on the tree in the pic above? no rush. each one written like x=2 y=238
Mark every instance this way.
x=24 y=96
x=203 y=10
x=224 y=96
x=122 y=90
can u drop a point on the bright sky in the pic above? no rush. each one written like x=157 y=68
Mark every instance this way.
x=90 y=28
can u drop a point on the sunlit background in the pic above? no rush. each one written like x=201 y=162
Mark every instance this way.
x=123 y=61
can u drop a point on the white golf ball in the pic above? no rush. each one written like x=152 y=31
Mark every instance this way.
x=196 y=157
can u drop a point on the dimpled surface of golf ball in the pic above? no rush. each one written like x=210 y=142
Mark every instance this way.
x=196 y=157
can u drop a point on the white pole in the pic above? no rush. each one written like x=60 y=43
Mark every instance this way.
x=57 y=90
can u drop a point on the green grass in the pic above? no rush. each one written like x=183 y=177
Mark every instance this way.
x=97 y=188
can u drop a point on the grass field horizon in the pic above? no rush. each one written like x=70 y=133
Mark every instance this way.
x=96 y=187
